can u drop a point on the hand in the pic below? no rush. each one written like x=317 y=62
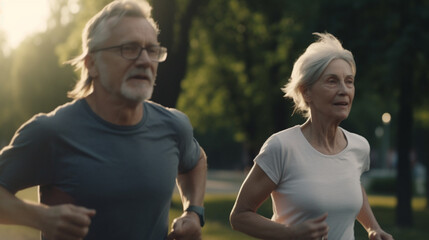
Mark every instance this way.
x=66 y=222
x=186 y=227
x=313 y=229
x=379 y=234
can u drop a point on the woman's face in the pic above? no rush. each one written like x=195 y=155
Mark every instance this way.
x=331 y=97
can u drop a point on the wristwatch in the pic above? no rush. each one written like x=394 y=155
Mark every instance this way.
x=199 y=211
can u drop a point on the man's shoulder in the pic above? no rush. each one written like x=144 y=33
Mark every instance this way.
x=52 y=118
x=169 y=117
x=161 y=110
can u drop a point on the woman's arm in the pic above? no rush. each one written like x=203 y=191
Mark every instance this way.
x=367 y=219
x=254 y=191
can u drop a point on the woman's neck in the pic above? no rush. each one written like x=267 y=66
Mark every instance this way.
x=326 y=138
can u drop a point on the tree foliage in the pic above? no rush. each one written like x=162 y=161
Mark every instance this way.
x=5 y=110
x=33 y=81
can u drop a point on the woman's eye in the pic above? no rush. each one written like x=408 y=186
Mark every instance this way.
x=350 y=81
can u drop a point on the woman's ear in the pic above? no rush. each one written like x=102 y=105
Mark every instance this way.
x=91 y=66
x=306 y=94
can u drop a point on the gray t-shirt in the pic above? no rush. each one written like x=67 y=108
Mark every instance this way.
x=126 y=173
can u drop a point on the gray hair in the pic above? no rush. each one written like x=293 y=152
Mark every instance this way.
x=97 y=30
x=310 y=66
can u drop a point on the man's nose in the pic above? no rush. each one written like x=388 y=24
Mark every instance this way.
x=143 y=58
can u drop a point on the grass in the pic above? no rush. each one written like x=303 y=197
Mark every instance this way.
x=218 y=208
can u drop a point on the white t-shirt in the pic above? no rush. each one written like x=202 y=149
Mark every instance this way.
x=311 y=183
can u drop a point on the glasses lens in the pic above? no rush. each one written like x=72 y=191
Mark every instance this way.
x=157 y=53
x=162 y=54
x=153 y=52
x=130 y=51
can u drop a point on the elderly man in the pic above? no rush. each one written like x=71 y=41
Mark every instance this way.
x=107 y=162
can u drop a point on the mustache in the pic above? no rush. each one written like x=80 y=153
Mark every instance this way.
x=142 y=73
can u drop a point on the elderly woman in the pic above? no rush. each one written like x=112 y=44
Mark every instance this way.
x=312 y=171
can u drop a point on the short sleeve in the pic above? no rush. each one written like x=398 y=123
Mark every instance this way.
x=188 y=146
x=360 y=149
x=270 y=159
x=366 y=162
x=25 y=161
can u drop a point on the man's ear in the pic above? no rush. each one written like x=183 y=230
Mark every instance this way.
x=89 y=62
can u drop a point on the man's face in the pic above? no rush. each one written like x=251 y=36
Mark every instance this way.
x=120 y=78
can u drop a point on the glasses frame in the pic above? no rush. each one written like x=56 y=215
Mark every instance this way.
x=162 y=56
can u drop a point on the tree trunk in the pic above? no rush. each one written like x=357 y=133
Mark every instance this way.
x=403 y=70
x=427 y=183
x=404 y=216
x=176 y=38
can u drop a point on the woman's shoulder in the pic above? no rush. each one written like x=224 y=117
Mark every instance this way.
x=284 y=138
x=288 y=134
x=355 y=139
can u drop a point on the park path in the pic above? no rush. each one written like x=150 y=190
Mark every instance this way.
x=224 y=182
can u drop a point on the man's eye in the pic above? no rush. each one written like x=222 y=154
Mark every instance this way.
x=130 y=48
x=152 y=50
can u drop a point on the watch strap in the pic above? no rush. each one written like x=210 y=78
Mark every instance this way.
x=199 y=211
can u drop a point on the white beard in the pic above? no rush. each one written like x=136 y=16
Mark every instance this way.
x=141 y=92
x=138 y=93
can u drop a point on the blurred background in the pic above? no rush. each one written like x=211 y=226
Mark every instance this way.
x=228 y=59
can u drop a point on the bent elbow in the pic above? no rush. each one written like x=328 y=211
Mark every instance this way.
x=234 y=220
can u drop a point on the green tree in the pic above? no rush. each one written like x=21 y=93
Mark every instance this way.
x=38 y=81
x=241 y=55
x=175 y=19
x=5 y=108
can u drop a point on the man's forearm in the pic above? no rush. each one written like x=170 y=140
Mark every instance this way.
x=192 y=184
x=17 y=212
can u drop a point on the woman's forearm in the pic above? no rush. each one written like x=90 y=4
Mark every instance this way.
x=366 y=216
x=258 y=226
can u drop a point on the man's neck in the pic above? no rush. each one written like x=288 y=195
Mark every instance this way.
x=119 y=112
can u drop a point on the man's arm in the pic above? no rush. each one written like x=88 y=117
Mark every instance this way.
x=192 y=187
x=55 y=222
x=192 y=184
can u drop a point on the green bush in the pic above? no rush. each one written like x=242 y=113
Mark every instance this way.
x=383 y=185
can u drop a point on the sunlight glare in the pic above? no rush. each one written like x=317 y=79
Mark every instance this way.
x=19 y=18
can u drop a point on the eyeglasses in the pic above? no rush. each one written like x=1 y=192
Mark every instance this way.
x=132 y=51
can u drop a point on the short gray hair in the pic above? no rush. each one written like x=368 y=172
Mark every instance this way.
x=97 y=30
x=310 y=65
